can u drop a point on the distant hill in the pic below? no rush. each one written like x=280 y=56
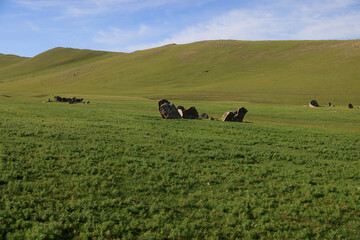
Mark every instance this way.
x=7 y=60
x=291 y=72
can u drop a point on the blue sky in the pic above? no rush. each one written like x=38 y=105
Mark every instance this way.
x=29 y=27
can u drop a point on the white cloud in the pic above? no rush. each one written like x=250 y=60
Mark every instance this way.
x=33 y=27
x=143 y=29
x=82 y=8
x=40 y=4
x=116 y=37
x=284 y=20
x=342 y=27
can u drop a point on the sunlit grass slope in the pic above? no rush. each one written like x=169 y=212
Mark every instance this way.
x=56 y=60
x=263 y=71
x=7 y=60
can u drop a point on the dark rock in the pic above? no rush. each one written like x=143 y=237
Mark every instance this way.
x=228 y=116
x=191 y=113
x=64 y=99
x=234 y=116
x=58 y=99
x=169 y=111
x=161 y=102
x=313 y=103
x=239 y=116
x=350 y=105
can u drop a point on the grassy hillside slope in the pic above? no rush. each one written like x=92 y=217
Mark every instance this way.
x=53 y=61
x=8 y=59
x=263 y=71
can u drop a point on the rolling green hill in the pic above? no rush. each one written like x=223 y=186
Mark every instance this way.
x=291 y=72
x=7 y=60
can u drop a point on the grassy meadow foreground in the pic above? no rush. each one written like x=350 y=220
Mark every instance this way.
x=115 y=169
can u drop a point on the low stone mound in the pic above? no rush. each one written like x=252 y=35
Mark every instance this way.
x=235 y=116
x=68 y=100
x=313 y=103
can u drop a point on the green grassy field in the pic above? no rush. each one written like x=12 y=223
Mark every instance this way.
x=114 y=169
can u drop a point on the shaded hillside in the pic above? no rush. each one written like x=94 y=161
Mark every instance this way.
x=262 y=71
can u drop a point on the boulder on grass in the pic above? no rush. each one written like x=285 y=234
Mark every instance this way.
x=239 y=116
x=161 y=102
x=313 y=103
x=228 y=116
x=191 y=113
x=235 y=116
x=169 y=111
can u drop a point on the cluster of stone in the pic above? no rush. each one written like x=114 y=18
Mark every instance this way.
x=169 y=111
x=314 y=104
